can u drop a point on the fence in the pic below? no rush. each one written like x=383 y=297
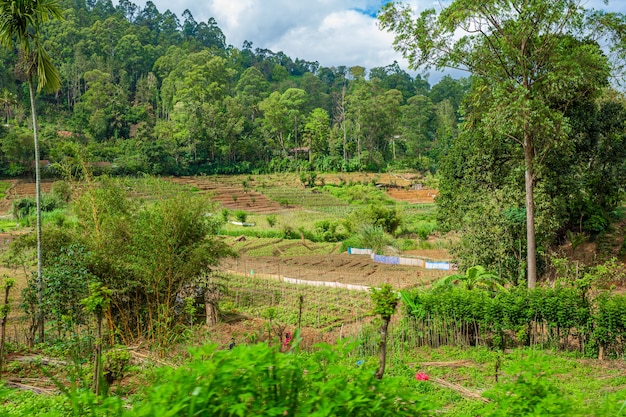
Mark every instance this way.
x=399 y=260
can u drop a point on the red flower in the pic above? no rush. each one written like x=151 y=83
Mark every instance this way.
x=420 y=376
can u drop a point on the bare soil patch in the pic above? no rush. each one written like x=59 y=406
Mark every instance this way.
x=230 y=193
x=343 y=268
x=434 y=254
x=422 y=196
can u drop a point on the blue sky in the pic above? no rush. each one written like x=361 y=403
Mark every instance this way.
x=332 y=32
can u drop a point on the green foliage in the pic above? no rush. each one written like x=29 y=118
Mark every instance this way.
x=308 y=178
x=370 y=237
x=528 y=391
x=271 y=220
x=225 y=215
x=360 y=194
x=115 y=363
x=425 y=228
x=61 y=190
x=241 y=216
x=326 y=231
x=98 y=300
x=259 y=380
x=146 y=252
x=67 y=282
x=550 y=138
x=25 y=207
x=25 y=403
x=388 y=219
x=474 y=277
x=4 y=186
x=385 y=300
x=596 y=224
x=511 y=318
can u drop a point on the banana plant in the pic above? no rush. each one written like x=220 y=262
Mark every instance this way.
x=476 y=277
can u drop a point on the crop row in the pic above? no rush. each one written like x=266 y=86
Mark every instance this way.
x=278 y=247
x=302 y=197
x=322 y=307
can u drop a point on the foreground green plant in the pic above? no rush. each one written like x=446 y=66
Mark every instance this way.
x=259 y=380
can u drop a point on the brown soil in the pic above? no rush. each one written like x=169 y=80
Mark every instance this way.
x=21 y=188
x=230 y=193
x=434 y=254
x=413 y=196
x=390 y=179
x=343 y=268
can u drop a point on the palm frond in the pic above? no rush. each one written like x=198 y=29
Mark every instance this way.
x=48 y=77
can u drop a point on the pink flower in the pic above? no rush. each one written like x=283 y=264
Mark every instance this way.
x=421 y=376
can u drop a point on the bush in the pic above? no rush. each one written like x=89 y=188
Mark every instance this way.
x=225 y=215
x=241 y=216
x=389 y=219
x=326 y=231
x=527 y=392
x=271 y=220
x=24 y=207
x=62 y=190
x=259 y=380
x=596 y=224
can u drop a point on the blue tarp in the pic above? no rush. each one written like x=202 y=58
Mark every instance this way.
x=391 y=260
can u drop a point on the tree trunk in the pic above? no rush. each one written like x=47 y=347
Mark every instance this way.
x=3 y=324
x=383 y=348
x=40 y=324
x=97 y=369
x=212 y=314
x=531 y=246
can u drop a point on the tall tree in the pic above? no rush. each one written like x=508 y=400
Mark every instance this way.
x=529 y=59
x=22 y=20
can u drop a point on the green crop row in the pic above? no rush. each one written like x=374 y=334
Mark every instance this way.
x=312 y=306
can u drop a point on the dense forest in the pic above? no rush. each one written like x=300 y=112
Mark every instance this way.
x=143 y=91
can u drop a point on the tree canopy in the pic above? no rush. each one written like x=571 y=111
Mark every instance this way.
x=531 y=62
x=156 y=93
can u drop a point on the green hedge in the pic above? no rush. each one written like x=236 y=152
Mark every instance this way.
x=561 y=317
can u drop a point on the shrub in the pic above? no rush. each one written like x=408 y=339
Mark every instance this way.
x=389 y=219
x=271 y=220
x=62 y=190
x=596 y=224
x=326 y=231
x=225 y=215
x=241 y=216
x=527 y=392
x=22 y=207
x=259 y=380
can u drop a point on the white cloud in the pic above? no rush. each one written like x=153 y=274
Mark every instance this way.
x=331 y=32
x=342 y=37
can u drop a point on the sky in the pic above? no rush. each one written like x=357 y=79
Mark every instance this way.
x=331 y=32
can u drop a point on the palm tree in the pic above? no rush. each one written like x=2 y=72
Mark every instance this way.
x=7 y=99
x=20 y=23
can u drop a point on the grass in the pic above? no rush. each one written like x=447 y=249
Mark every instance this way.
x=304 y=197
x=359 y=194
x=520 y=382
x=7 y=225
x=4 y=186
x=285 y=221
x=280 y=247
